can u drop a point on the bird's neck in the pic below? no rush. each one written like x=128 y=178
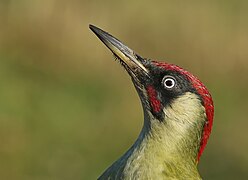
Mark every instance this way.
x=162 y=150
x=159 y=155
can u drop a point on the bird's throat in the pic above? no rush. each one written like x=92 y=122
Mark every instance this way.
x=166 y=149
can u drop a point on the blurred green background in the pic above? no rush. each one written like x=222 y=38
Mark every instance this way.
x=68 y=110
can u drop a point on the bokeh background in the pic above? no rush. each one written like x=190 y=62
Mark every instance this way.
x=68 y=110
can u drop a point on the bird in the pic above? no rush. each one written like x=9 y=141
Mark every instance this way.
x=178 y=115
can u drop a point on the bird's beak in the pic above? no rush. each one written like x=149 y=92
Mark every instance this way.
x=133 y=63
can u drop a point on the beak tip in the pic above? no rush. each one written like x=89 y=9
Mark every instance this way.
x=92 y=27
x=98 y=32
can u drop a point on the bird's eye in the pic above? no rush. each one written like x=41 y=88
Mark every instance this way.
x=169 y=82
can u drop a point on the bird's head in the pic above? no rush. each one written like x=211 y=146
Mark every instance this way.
x=172 y=98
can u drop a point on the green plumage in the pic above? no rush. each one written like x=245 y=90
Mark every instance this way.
x=165 y=150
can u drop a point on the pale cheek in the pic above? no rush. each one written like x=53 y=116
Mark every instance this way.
x=186 y=110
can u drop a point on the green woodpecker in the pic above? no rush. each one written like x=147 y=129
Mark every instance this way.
x=178 y=116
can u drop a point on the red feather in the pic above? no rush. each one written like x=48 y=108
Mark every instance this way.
x=155 y=103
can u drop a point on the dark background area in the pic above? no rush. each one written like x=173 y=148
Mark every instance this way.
x=68 y=110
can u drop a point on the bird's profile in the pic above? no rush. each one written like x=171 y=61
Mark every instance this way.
x=178 y=116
